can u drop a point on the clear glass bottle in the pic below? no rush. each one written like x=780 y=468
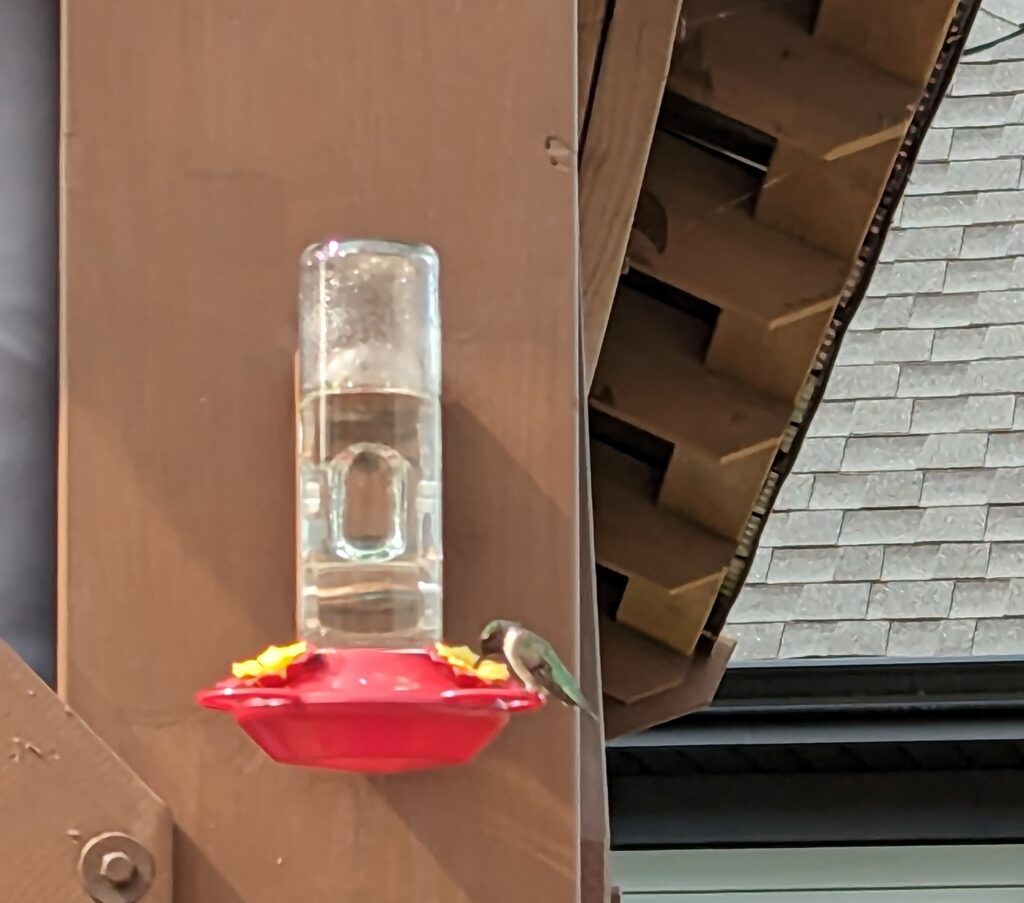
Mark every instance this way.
x=370 y=445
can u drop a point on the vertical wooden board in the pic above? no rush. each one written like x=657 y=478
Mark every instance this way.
x=60 y=787
x=627 y=98
x=595 y=833
x=205 y=144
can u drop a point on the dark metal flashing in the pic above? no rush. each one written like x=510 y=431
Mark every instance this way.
x=832 y=752
x=860 y=701
x=828 y=684
x=799 y=781
x=943 y=806
x=794 y=732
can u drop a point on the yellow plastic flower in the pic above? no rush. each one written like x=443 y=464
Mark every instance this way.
x=273 y=660
x=466 y=661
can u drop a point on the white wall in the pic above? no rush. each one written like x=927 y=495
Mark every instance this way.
x=942 y=874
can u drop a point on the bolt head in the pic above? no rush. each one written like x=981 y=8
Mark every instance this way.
x=117 y=868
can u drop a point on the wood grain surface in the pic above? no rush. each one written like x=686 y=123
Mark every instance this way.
x=204 y=145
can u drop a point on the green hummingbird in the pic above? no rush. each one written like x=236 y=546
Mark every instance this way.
x=534 y=661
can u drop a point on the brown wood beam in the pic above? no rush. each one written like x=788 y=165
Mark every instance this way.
x=634 y=667
x=760 y=66
x=724 y=434
x=636 y=537
x=647 y=377
x=853 y=186
x=625 y=107
x=595 y=832
x=704 y=241
x=669 y=593
x=205 y=144
x=774 y=361
x=903 y=39
x=60 y=787
x=694 y=693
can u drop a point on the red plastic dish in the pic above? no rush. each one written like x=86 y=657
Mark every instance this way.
x=371 y=710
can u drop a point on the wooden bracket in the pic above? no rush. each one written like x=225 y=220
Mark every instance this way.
x=60 y=785
x=694 y=693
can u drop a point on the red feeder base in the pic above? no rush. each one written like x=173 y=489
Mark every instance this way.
x=371 y=710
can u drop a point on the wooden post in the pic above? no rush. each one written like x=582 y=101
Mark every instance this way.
x=205 y=144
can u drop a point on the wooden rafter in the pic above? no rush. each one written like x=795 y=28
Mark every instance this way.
x=778 y=129
x=636 y=667
x=710 y=246
x=649 y=377
x=694 y=693
x=761 y=66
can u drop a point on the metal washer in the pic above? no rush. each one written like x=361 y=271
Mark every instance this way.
x=101 y=888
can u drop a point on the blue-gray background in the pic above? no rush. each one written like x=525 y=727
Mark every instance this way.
x=29 y=103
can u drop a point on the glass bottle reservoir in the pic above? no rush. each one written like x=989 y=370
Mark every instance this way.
x=369 y=425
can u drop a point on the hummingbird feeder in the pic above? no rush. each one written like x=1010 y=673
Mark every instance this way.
x=369 y=686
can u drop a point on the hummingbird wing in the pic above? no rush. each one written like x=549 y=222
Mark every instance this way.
x=550 y=672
